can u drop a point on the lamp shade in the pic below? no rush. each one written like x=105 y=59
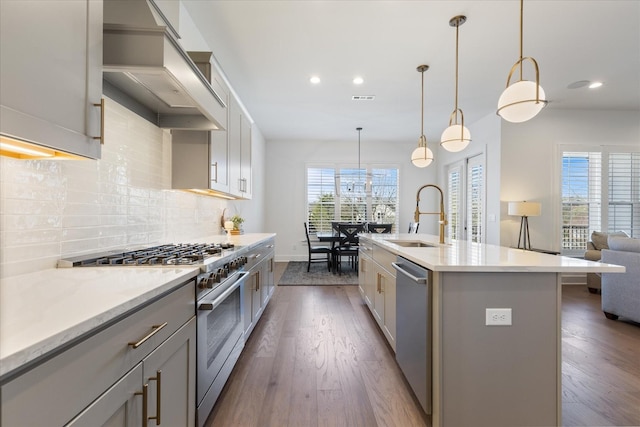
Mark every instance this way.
x=455 y=139
x=518 y=103
x=422 y=157
x=525 y=208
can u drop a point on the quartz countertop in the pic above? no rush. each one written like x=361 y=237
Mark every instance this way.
x=465 y=256
x=44 y=310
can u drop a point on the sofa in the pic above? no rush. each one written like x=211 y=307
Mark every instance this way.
x=621 y=291
x=594 y=246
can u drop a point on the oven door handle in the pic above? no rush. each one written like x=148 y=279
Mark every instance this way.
x=209 y=306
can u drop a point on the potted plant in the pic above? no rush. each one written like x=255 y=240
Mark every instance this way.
x=237 y=224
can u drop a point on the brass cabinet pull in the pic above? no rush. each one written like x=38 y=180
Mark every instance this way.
x=101 y=105
x=257 y=281
x=156 y=329
x=158 y=379
x=271 y=265
x=145 y=407
x=378 y=283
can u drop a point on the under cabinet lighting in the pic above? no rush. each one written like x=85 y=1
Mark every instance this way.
x=18 y=149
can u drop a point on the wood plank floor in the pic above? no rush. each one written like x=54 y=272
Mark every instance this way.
x=317 y=358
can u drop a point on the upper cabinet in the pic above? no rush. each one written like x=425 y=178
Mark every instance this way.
x=218 y=161
x=239 y=132
x=169 y=11
x=51 y=74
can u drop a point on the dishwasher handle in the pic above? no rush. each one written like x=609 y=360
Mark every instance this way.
x=409 y=275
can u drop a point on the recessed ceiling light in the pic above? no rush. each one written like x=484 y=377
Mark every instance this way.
x=578 y=84
x=594 y=85
x=358 y=80
x=314 y=80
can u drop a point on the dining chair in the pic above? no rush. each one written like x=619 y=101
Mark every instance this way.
x=348 y=245
x=317 y=250
x=379 y=228
x=413 y=227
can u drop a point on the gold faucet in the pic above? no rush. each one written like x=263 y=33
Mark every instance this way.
x=443 y=218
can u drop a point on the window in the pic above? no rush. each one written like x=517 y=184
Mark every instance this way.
x=592 y=180
x=351 y=195
x=465 y=199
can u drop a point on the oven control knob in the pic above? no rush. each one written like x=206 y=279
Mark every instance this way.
x=223 y=272
x=205 y=282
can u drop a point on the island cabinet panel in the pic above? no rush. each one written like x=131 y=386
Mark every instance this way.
x=99 y=366
x=377 y=281
x=51 y=74
x=497 y=375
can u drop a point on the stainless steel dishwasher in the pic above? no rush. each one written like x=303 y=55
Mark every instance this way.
x=413 y=327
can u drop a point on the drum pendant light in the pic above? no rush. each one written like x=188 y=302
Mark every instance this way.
x=524 y=99
x=456 y=137
x=422 y=156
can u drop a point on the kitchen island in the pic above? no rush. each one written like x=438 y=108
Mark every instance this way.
x=482 y=375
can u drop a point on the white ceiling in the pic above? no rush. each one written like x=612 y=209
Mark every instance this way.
x=269 y=49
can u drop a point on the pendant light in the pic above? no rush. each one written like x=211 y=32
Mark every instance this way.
x=456 y=137
x=524 y=99
x=422 y=156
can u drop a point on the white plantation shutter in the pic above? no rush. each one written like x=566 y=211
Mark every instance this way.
x=624 y=193
x=581 y=199
x=590 y=180
x=475 y=199
x=454 y=202
x=321 y=199
x=350 y=195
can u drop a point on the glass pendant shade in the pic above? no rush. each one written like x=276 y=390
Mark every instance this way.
x=455 y=138
x=422 y=157
x=518 y=102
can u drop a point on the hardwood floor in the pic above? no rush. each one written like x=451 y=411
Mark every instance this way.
x=317 y=358
x=600 y=364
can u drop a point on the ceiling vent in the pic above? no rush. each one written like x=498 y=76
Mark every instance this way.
x=363 y=97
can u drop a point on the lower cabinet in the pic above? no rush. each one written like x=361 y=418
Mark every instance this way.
x=259 y=285
x=378 y=289
x=144 y=361
x=160 y=389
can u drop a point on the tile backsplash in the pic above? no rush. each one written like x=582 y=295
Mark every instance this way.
x=50 y=209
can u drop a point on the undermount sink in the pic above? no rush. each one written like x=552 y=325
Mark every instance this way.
x=411 y=244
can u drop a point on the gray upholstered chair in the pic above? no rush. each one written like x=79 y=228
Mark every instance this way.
x=594 y=246
x=621 y=291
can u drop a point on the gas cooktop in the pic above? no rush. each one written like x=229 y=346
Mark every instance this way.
x=163 y=255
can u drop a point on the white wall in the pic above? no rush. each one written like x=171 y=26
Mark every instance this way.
x=285 y=184
x=50 y=209
x=530 y=166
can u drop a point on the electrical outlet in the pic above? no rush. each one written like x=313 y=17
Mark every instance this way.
x=498 y=317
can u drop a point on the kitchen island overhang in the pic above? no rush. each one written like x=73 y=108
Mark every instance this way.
x=492 y=375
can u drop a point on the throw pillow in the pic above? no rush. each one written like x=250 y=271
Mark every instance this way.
x=599 y=238
x=626 y=244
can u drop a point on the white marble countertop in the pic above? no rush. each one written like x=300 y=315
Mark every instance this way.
x=43 y=310
x=467 y=256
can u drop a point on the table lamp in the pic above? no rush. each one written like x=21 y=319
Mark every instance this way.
x=524 y=210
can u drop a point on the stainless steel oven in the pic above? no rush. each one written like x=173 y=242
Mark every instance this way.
x=219 y=340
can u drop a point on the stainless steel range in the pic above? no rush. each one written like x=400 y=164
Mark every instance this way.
x=219 y=304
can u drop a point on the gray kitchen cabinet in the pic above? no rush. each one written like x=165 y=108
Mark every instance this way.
x=51 y=74
x=169 y=12
x=94 y=382
x=259 y=285
x=199 y=160
x=239 y=135
x=170 y=370
x=377 y=282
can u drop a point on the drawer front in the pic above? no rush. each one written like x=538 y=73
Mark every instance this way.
x=55 y=391
x=384 y=258
x=366 y=247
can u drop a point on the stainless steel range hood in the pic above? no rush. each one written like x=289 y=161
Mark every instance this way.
x=143 y=60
